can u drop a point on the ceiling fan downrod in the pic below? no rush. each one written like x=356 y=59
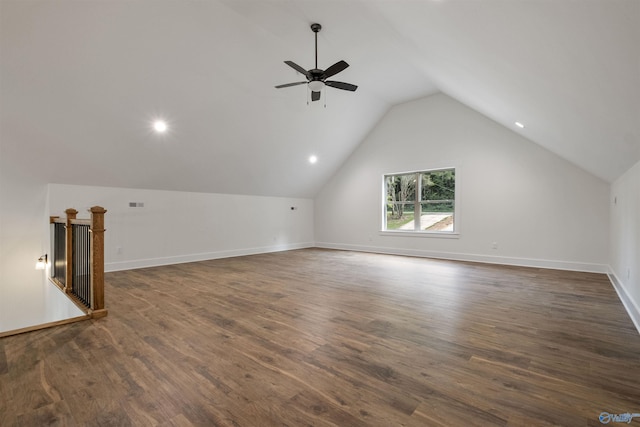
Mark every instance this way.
x=316 y=28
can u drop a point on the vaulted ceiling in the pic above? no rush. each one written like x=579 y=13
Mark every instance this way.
x=81 y=82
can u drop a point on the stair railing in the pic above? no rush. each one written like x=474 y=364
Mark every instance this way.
x=78 y=258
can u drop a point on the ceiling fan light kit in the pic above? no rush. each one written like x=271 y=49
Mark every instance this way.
x=316 y=77
x=316 y=85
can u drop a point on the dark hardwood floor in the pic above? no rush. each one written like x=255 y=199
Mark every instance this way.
x=331 y=338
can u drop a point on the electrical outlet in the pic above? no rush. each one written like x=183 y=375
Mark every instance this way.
x=494 y=245
x=119 y=250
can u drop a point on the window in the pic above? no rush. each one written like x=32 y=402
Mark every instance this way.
x=420 y=201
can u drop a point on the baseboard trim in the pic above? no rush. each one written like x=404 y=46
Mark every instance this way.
x=181 y=259
x=487 y=259
x=44 y=326
x=629 y=304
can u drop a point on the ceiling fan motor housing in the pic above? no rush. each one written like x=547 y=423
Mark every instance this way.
x=316 y=74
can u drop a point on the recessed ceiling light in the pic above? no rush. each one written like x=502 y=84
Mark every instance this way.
x=160 y=126
x=313 y=159
x=520 y=125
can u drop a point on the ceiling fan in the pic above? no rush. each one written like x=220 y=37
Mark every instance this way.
x=317 y=78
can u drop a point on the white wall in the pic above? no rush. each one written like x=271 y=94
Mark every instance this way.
x=540 y=209
x=175 y=227
x=625 y=240
x=26 y=296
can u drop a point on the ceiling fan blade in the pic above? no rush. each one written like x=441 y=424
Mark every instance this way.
x=291 y=84
x=298 y=68
x=335 y=69
x=315 y=96
x=341 y=85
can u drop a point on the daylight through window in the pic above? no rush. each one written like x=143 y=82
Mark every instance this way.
x=420 y=201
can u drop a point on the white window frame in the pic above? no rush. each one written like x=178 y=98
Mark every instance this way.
x=422 y=233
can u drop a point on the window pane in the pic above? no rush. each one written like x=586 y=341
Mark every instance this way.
x=438 y=185
x=401 y=196
x=438 y=195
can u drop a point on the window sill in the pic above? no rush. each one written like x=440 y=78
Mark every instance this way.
x=431 y=234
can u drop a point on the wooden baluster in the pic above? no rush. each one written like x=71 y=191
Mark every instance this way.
x=68 y=280
x=97 y=261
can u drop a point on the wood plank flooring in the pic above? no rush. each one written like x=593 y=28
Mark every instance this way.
x=330 y=338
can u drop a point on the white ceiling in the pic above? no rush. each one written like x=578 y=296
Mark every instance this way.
x=82 y=80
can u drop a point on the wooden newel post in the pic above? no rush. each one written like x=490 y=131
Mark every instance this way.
x=97 y=260
x=68 y=280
